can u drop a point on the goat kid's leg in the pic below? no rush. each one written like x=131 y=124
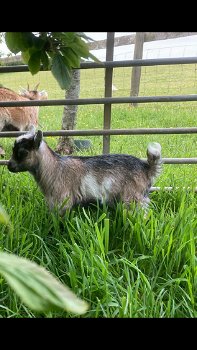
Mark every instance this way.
x=140 y=202
x=145 y=206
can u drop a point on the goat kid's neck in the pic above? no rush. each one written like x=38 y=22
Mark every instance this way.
x=47 y=163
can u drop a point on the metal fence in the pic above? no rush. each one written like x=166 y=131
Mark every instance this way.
x=108 y=100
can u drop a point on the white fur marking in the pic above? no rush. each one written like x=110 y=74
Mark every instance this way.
x=106 y=184
x=91 y=189
x=154 y=148
x=24 y=136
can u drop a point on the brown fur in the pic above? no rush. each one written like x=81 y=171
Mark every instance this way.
x=19 y=118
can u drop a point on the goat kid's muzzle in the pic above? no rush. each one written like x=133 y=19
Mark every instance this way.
x=12 y=166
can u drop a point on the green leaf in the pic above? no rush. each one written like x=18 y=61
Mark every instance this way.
x=45 y=60
x=11 y=42
x=80 y=47
x=34 y=62
x=25 y=56
x=71 y=57
x=37 y=288
x=38 y=42
x=61 y=71
x=18 y=41
x=65 y=37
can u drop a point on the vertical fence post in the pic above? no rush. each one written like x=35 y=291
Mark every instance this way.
x=108 y=90
x=136 y=71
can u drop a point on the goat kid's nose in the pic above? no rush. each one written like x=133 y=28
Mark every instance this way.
x=11 y=166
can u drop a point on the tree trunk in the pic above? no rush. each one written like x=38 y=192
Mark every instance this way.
x=69 y=119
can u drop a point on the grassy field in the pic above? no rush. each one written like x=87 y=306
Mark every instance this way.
x=122 y=264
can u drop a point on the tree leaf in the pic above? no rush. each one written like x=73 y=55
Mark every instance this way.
x=38 y=42
x=80 y=47
x=37 y=288
x=71 y=57
x=25 y=56
x=34 y=62
x=45 y=60
x=65 y=37
x=61 y=71
x=11 y=43
x=18 y=41
x=60 y=51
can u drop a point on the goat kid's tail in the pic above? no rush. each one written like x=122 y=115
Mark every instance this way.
x=154 y=158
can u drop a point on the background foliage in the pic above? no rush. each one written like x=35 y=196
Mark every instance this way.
x=58 y=51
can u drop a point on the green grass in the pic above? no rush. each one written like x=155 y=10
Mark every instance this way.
x=122 y=264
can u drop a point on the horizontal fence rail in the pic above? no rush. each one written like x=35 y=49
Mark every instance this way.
x=101 y=132
x=100 y=100
x=114 y=64
x=140 y=131
x=172 y=188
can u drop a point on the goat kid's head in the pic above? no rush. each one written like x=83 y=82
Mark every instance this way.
x=24 y=152
x=34 y=94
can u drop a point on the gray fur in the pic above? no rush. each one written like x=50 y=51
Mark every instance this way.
x=70 y=180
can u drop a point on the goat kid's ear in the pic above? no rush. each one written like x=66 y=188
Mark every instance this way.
x=36 y=87
x=32 y=129
x=38 y=139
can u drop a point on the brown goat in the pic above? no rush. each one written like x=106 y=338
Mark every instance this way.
x=20 y=118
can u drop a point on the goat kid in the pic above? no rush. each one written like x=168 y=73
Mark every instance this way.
x=20 y=118
x=70 y=180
